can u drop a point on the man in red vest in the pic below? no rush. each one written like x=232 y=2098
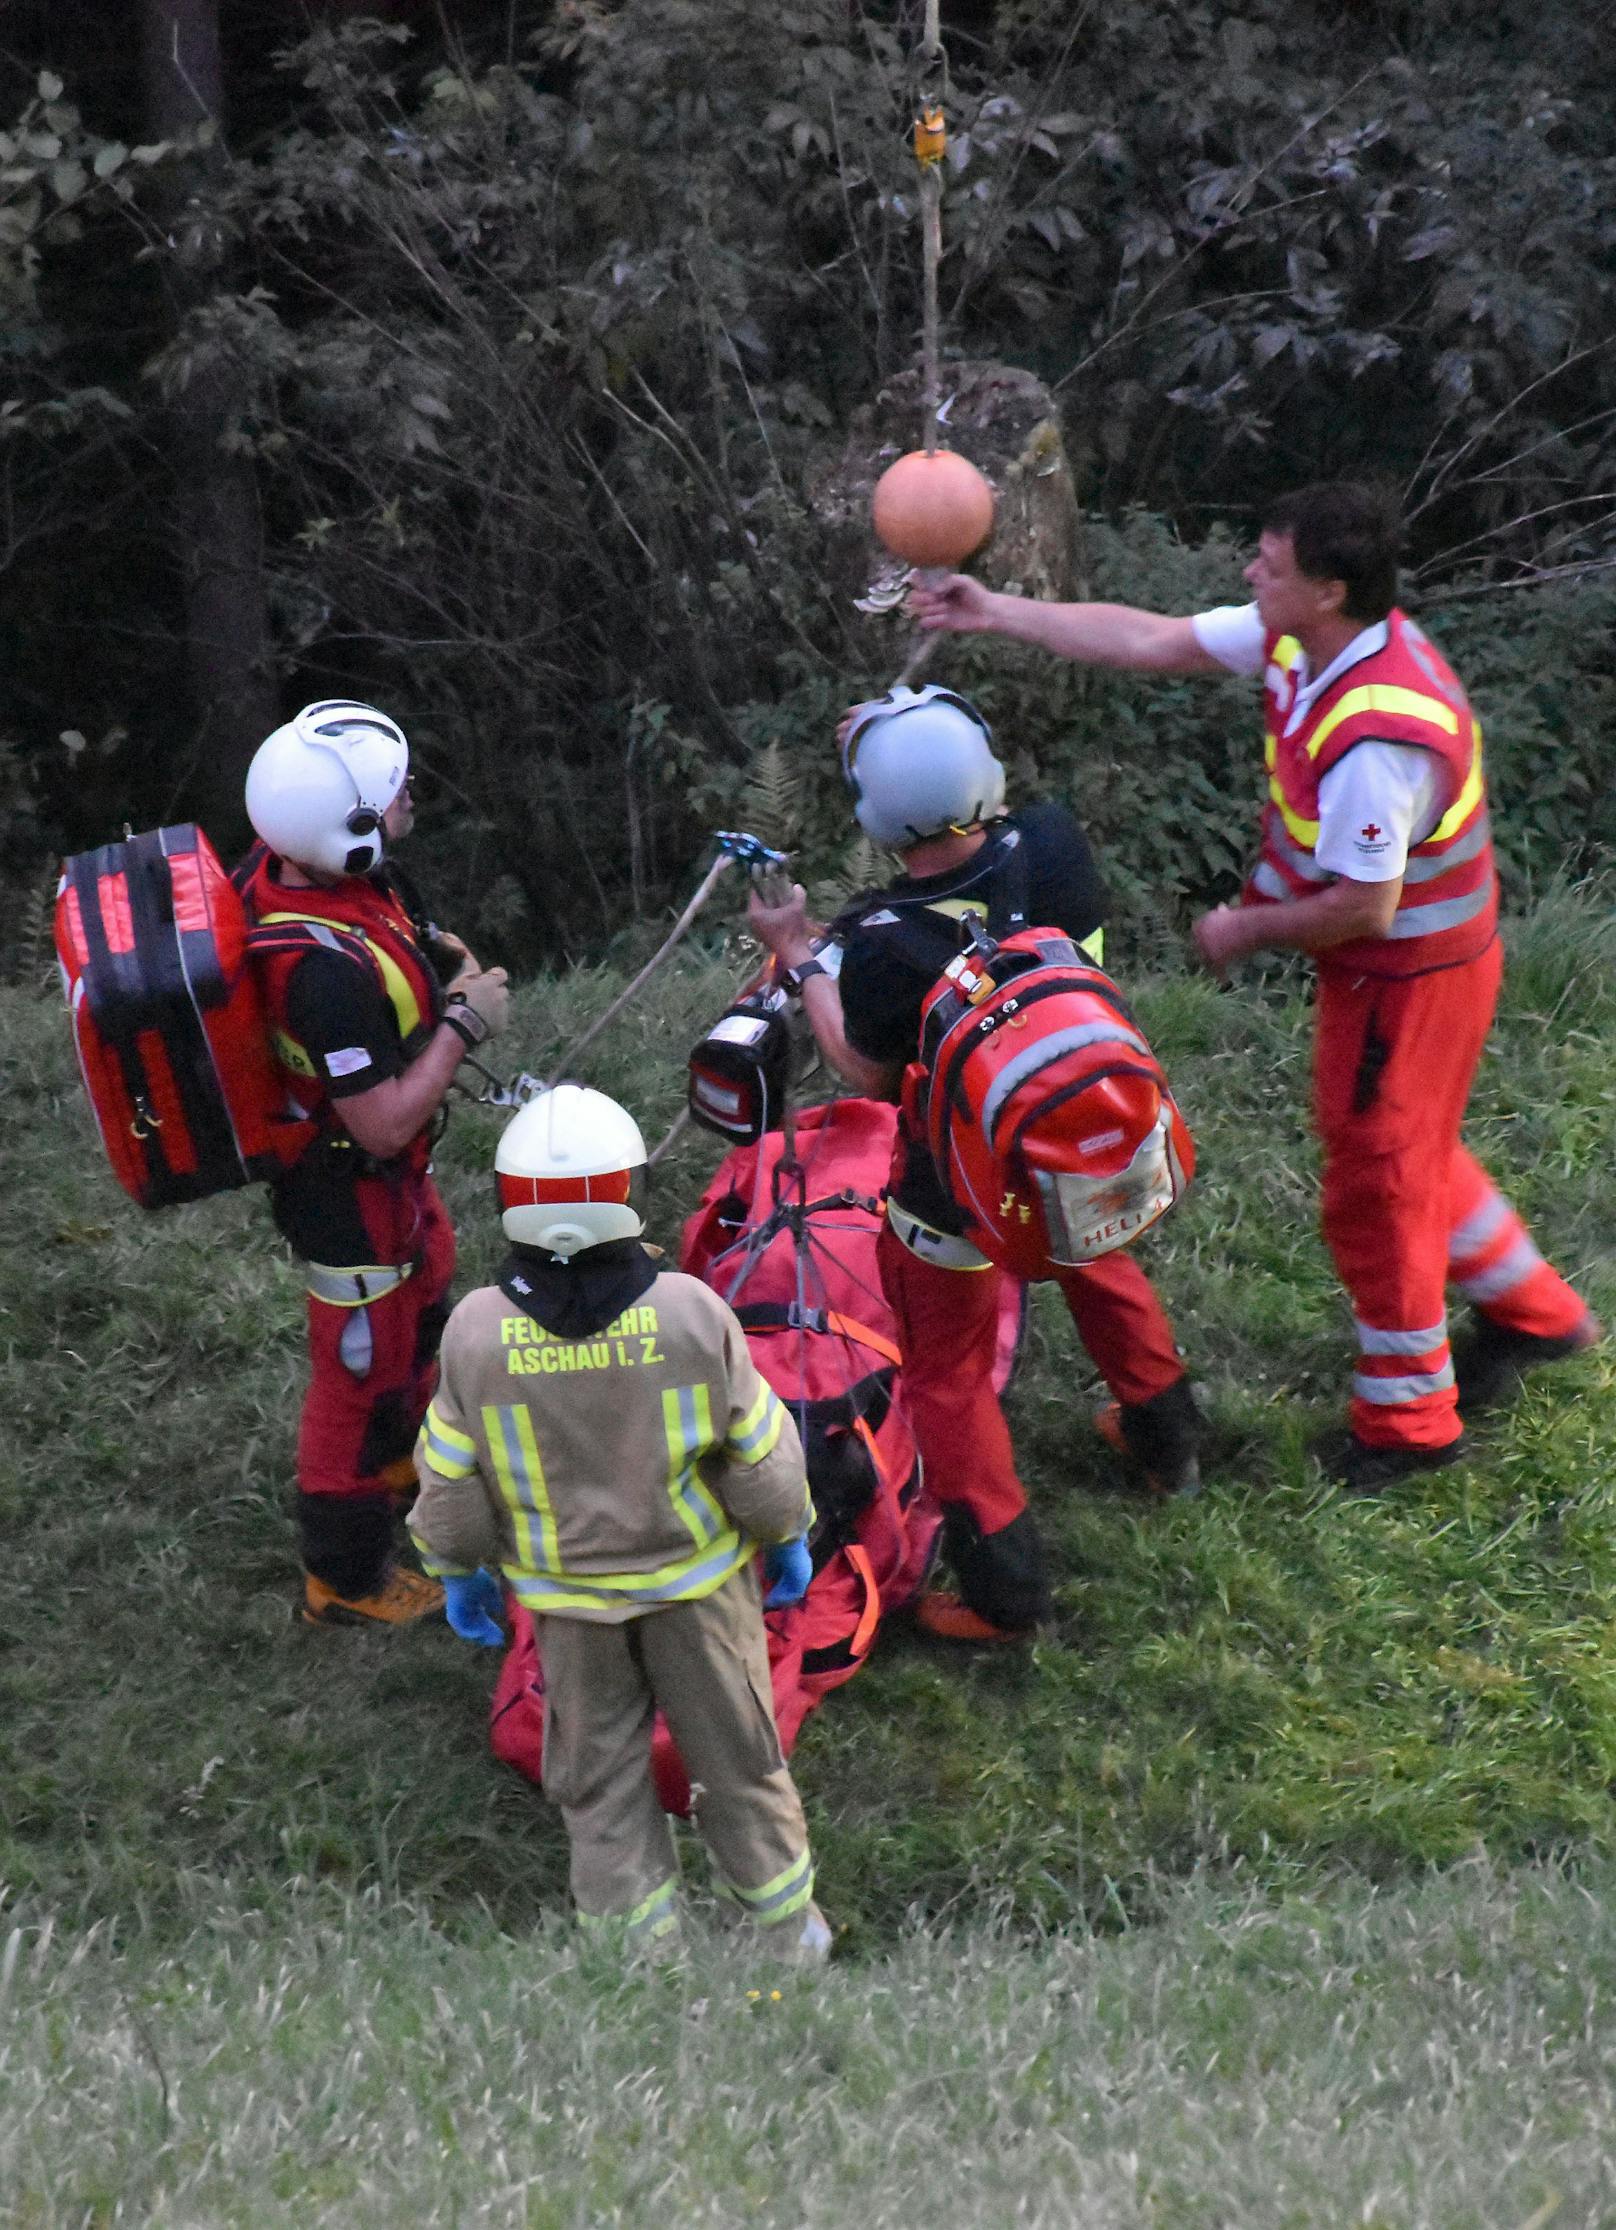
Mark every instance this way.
x=1376 y=859
x=367 y=1043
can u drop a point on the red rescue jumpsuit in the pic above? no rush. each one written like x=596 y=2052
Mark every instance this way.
x=375 y=1236
x=1401 y=1024
x=942 y=1292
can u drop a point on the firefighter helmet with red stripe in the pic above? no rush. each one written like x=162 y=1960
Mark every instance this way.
x=571 y=1172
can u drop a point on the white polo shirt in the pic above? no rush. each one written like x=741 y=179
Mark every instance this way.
x=1382 y=797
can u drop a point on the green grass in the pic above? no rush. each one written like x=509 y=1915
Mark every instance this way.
x=1433 y=2056
x=1275 y=1692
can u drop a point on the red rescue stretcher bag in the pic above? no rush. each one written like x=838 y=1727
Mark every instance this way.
x=794 y=1255
x=1046 y=1112
x=170 y=1031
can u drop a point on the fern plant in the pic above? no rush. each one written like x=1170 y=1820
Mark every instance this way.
x=770 y=804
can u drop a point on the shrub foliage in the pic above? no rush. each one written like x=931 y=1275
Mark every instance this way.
x=534 y=340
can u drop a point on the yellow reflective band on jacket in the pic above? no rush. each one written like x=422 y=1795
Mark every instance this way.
x=1285 y=653
x=351 y=1289
x=406 y=1007
x=687 y=1421
x=450 y=1452
x=1094 y=946
x=1384 y=697
x=519 y=1475
x=1305 y=832
x=539 y=1579
x=759 y=1430
x=1469 y=796
x=684 y=1582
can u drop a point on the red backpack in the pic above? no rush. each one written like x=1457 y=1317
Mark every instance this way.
x=152 y=938
x=1047 y=1114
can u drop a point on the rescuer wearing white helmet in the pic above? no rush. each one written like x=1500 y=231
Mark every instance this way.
x=927 y=785
x=601 y=1435
x=367 y=1041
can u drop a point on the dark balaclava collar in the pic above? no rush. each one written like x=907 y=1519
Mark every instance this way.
x=576 y=1299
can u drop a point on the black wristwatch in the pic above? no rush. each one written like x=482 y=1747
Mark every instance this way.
x=466 y=1023
x=794 y=978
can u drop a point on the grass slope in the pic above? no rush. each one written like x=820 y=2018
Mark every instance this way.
x=1274 y=1683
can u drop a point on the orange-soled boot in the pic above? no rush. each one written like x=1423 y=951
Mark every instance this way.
x=401 y=1599
x=949 y=1618
x=1159 y=1440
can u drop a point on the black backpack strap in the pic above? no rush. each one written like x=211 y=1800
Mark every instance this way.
x=247 y=866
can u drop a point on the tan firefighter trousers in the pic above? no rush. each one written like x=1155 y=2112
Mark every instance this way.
x=706 y=1666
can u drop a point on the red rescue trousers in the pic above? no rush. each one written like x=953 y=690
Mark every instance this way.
x=948 y=1324
x=1405 y=1208
x=374 y=1362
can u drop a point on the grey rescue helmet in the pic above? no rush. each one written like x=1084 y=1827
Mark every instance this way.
x=919 y=763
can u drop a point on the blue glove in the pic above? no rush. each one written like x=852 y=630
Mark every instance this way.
x=473 y=1604
x=787 y=1567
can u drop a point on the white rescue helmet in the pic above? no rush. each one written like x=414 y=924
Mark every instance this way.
x=571 y=1172
x=318 y=787
x=919 y=762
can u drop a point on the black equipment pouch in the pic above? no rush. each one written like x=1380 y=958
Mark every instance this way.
x=740 y=1072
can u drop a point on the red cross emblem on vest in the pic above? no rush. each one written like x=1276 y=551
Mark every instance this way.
x=1369 y=832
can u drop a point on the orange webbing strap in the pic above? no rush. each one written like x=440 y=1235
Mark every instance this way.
x=850 y=1328
x=870 y=1617
x=883 y=1478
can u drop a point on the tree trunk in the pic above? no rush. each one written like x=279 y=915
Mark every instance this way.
x=214 y=506
x=1006 y=422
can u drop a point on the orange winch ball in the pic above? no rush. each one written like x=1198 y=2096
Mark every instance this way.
x=932 y=509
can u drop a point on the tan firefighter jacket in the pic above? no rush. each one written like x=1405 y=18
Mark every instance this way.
x=607 y=1476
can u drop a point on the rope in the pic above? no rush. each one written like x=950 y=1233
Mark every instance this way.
x=931 y=239
x=931 y=145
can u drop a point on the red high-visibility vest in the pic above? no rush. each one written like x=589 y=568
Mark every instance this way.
x=1404 y=693
x=357 y=918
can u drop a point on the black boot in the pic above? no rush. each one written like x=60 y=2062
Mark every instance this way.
x=1490 y=1363
x=1361 y=1469
x=1004 y=1586
x=1161 y=1438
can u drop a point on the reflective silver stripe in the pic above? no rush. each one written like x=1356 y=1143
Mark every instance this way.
x=356 y=1347
x=1427 y=870
x=351 y=1289
x=1512 y=1270
x=1265 y=876
x=652 y=1916
x=944 y=1248
x=1047 y=1050
x=700 y=1576
x=1487 y=1221
x=779 y=1899
x=1387 y=1393
x=1299 y=862
x=1372 y=1341
x=1447 y=913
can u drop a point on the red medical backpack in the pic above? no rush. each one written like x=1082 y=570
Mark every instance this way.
x=1046 y=1112
x=171 y=1036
